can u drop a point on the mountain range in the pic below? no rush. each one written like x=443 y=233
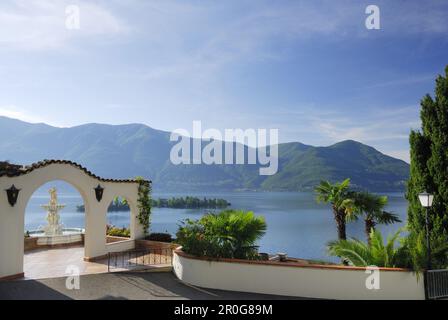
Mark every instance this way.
x=123 y=151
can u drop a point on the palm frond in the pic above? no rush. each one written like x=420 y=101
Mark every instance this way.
x=361 y=254
x=385 y=217
x=354 y=251
x=345 y=184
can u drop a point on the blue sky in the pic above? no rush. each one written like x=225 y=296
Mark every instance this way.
x=309 y=68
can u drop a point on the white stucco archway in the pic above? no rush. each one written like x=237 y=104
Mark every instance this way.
x=29 y=179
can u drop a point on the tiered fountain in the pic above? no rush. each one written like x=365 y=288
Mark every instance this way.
x=54 y=233
x=54 y=227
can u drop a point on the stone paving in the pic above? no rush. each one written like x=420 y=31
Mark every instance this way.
x=49 y=263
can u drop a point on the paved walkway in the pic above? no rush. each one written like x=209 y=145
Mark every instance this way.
x=48 y=263
x=119 y=286
x=51 y=263
x=45 y=274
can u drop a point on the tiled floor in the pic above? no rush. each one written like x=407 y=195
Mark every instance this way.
x=54 y=263
x=40 y=264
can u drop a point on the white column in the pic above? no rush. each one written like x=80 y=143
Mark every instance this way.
x=95 y=236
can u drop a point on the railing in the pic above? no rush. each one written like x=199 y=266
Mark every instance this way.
x=138 y=259
x=436 y=284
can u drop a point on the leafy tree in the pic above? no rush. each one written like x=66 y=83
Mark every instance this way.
x=190 y=203
x=118 y=204
x=429 y=163
x=415 y=251
x=371 y=207
x=338 y=196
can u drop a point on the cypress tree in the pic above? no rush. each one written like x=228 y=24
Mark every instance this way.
x=429 y=165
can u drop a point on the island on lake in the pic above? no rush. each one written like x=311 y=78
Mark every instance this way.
x=176 y=203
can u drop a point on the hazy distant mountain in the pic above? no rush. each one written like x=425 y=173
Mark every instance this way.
x=123 y=151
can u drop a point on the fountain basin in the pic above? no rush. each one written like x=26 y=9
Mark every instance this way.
x=68 y=236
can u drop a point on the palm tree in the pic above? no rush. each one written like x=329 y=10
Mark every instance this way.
x=376 y=253
x=338 y=196
x=371 y=206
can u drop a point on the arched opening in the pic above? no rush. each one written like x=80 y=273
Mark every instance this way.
x=95 y=192
x=118 y=220
x=54 y=230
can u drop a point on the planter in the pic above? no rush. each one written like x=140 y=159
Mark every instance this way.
x=296 y=279
x=112 y=239
x=149 y=244
x=30 y=244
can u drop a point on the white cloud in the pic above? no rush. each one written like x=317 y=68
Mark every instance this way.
x=244 y=36
x=40 y=24
x=410 y=80
x=379 y=128
x=386 y=129
x=399 y=154
x=379 y=125
x=248 y=34
x=15 y=112
x=419 y=17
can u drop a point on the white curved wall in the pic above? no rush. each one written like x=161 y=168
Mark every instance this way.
x=12 y=219
x=307 y=282
x=120 y=246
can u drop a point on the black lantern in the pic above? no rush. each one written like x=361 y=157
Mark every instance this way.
x=99 y=192
x=13 y=194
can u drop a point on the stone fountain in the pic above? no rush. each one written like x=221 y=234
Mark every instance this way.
x=54 y=233
x=54 y=227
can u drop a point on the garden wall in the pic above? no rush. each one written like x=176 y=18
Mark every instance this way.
x=32 y=243
x=112 y=239
x=120 y=246
x=289 y=279
x=148 y=244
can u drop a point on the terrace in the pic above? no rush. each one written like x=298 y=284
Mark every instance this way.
x=217 y=256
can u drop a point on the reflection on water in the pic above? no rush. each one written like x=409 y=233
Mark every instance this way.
x=296 y=223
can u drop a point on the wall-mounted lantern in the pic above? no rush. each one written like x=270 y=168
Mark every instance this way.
x=13 y=195
x=99 y=192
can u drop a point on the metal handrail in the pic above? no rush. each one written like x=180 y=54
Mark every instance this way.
x=436 y=282
x=147 y=257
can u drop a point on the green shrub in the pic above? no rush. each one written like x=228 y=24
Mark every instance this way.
x=410 y=252
x=415 y=251
x=117 y=232
x=162 y=237
x=362 y=254
x=228 y=234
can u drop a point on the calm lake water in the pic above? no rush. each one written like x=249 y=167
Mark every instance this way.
x=297 y=225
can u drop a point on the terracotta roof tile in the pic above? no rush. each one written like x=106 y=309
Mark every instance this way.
x=12 y=170
x=8 y=168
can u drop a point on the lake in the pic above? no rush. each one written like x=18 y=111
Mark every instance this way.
x=296 y=224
